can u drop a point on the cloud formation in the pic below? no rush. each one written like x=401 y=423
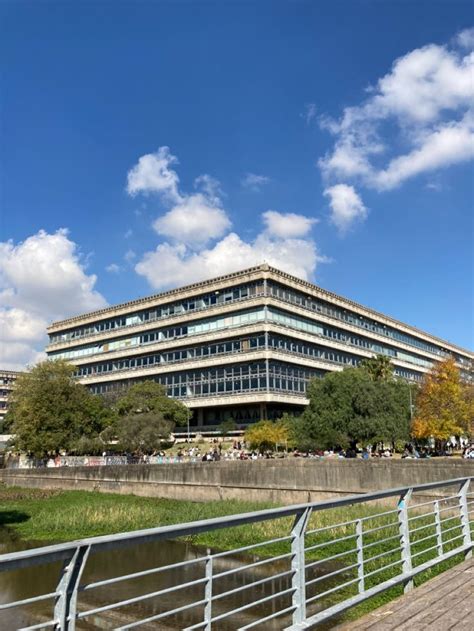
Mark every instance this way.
x=346 y=206
x=254 y=182
x=41 y=279
x=417 y=119
x=197 y=227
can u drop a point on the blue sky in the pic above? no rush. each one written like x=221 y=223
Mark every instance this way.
x=150 y=144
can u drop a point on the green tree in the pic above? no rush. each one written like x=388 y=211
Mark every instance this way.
x=349 y=407
x=143 y=433
x=227 y=426
x=50 y=411
x=146 y=416
x=379 y=367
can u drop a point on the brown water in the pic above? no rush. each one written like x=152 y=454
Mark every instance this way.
x=20 y=584
x=26 y=583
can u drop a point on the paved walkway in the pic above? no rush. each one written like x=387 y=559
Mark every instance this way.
x=442 y=603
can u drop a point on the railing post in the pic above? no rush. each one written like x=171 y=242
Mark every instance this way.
x=208 y=593
x=360 y=556
x=298 y=581
x=466 y=528
x=439 y=533
x=404 y=529
x=66 y=602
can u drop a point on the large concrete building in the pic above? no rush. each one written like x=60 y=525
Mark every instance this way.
x=241 y=346
x=7 y=383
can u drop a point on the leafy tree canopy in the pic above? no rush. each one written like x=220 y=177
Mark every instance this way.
x=50 y=411
x=142 y=433
x=267 y=435
x=379 y=367
x=150 y=396
x=351 y=406
x=444 y=405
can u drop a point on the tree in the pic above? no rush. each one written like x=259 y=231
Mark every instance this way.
x=143 y=433
x=146 y=417
x=266 y=435
x=50 y=411
x=379 y=367
x=444 y=405
x=150 y=396
x=349 y=407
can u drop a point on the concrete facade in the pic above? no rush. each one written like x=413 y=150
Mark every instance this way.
x=242 y=346
x=290 y=481
x=7 y=383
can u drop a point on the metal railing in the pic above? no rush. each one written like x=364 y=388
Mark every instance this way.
x=305 y=564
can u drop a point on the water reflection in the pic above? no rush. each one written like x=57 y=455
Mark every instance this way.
x=41 y=579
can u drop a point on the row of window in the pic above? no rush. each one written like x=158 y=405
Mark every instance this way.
x=165 y=311
x=231 y=379
x=241 y=293
x=227 y=322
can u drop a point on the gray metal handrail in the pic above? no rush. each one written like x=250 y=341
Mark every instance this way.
x=323 y=568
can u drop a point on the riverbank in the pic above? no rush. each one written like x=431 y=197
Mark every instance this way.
x=54 y=515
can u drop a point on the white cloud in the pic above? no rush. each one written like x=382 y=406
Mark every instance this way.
x=310 y=111
x=194 y=221
x=41 y=279
x=193 y=218
x=153 y=174
x=417 y=119
x=346 y=206
x=113 y=268
x=287 y=225
x=465 y=38
x=175 y=265
x=254 y=182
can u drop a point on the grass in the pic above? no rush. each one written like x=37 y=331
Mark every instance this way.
x=52 y=516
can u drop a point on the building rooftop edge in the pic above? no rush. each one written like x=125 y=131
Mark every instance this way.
x=263 y=267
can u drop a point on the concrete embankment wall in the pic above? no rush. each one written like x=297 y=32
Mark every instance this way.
x=282 y=481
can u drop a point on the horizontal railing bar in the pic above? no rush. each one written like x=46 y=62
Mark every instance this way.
x=332 y=590
x=422 y=516
x=446 y=508
x=389 y=525
x=253 y=584
x=62 y=551
x=330 y=543
x=334 y=556
x=254 y=603
x=415 y=542
x=255 y=623
x=41 y=625
x=137 y=599
x=126 y=577
x=425 y=551
x=382 y=554
x=446 y=498
x=159 y=616
x=318 y=579
x=331 y=527
x=28 y=601
x=377 y=515
x=249 y=565
x=381 y=569
x=445 y=543
x=253 y=545
x=432 y=524
x=378 y=543
x=457 y=527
